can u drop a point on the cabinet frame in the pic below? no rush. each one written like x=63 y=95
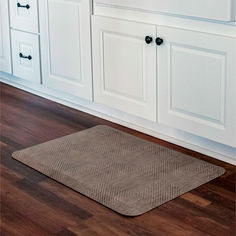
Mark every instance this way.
x=5 y=41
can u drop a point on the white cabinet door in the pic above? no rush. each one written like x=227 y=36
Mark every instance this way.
x=25 y=56
x=124 y=66
x=5 y=51
x=197 y=83
x=24 y=15
x=66 y=46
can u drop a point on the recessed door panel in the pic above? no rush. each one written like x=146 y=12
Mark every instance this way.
x=201 y=73
x=124 y=66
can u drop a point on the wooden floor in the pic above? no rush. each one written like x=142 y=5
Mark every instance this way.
x=32 y=204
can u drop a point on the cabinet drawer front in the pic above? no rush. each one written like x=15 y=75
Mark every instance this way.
x=25 y=56
x=196 y=81
x=125 y=66
x=24 y=15
x=221 y=10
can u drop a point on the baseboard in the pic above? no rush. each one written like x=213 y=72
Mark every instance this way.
x=213 y=149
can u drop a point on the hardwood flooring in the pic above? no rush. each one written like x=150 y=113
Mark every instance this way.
x=32 y=204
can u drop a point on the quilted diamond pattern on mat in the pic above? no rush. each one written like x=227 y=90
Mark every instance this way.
x=125 y=173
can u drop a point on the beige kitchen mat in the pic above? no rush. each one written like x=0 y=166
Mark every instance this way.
x=125 y=173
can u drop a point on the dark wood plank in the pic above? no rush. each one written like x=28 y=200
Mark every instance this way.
x=32 y=204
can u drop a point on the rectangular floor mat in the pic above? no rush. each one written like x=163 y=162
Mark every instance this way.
x=125 y=173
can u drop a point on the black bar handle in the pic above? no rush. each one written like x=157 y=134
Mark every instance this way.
x=26 y=57
x=27 y=6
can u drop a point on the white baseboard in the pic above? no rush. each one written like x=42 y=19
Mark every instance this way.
x=178 y=137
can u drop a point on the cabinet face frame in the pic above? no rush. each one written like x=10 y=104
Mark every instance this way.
x=212 y=114
x=5 y=42
x=206 y=9
x=66 y=53
x=124 y=66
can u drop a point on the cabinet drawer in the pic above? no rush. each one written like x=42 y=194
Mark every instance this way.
x=24 y=15
x=221 y=10
x=25 y=56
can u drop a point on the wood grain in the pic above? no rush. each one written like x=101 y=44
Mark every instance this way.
x=32 y=204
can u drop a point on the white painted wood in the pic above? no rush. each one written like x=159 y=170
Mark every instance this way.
x=191 y=23
x=196 y=83
x=234 y=11
x=209 y=9
x=124 y=66
x=66 y=46
x=5 y=49
x=28 y=45
x=23 y=18
x=193 y=142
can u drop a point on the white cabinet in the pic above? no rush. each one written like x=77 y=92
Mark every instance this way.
x=66 y=46
x=125 y=66
x=173 y=75
x=197 y=83
x=195 y=74
x=25 y=56
x=5 y=51
x=24 y=15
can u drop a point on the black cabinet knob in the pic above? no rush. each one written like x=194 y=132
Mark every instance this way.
x=159 y=41
x=27 y=6
x=148 y=39
x=25 y=57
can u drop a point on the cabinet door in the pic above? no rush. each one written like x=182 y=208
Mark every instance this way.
x=66 y=46
x=196 y=83
x=5 y=51
x=124 y=66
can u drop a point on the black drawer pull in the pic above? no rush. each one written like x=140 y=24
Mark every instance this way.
x=27 y=6
x=26 y=57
